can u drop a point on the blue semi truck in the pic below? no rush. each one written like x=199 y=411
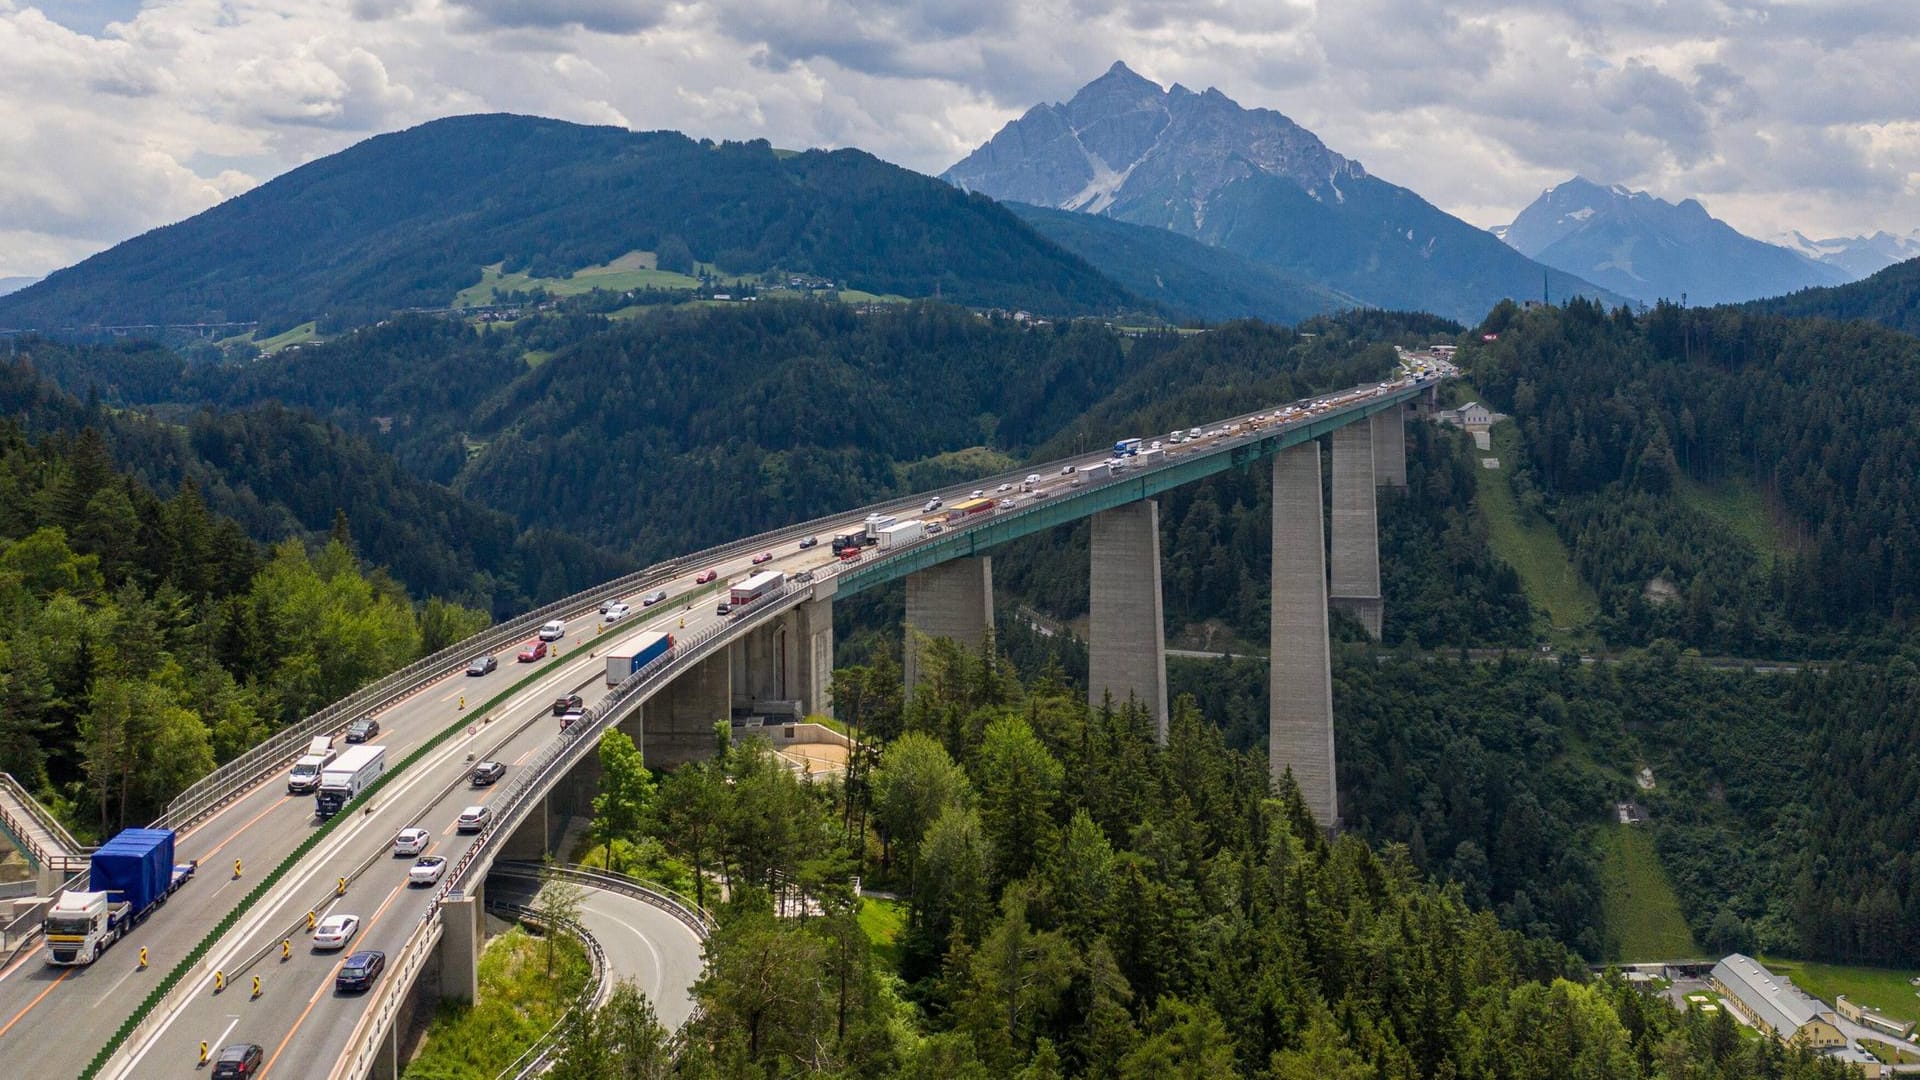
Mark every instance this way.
x=130 y=875
x=626 y=659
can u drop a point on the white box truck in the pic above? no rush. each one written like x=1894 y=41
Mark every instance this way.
x=877 y=522
x=902 y=533
x=348 y=776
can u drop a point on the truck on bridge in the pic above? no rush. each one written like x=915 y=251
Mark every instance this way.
x=348 y=776
x=627 y=659
x=902 y=534
x=753 y=588
x=130 y=875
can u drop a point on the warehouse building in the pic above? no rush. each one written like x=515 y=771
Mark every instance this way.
x=1772 y=1004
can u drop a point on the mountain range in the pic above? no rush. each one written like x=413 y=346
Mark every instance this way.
x=1859 y=256
x=1649 y=249
x=1253 y=182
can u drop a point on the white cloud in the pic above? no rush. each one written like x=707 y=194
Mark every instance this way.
x=1777 y=113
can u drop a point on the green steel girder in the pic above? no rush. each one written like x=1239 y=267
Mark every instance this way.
x=1130 y=487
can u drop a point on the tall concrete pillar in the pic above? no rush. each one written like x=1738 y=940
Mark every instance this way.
x=813 y=639
x=462 y=935
x=951 y=600
x=1390 y=447
x=1126 y=638
x=1300 y=680
x=759 y=663
x=677 y=723
x=1356 y=533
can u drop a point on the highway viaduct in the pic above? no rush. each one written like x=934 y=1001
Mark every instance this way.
x=776 y=653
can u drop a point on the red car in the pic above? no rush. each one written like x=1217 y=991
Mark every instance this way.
x=765 y=556
x=535 y=650
x=706 y=577
x=851 y=555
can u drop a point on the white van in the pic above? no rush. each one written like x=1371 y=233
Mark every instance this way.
x=553 y=631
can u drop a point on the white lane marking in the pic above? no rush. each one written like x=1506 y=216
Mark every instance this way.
x=220 y=1042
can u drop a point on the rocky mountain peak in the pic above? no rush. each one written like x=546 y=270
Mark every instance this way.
x=1122 y=138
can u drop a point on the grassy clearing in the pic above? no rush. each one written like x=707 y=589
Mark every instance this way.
x=535 y=357
x=299 y=335
x=518 y=1002
x=884 y=921
x=1530 y=544
x=1888 y=1053
x=857 y=296
x=1885 y=989
x=1736 y=506
x=1637 y=903
x=634 y=270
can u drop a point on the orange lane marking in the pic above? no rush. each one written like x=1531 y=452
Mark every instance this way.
x=35 y=1001
x=318 y=994
x=236 y=833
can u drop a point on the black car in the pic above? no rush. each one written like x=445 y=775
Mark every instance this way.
x=482 y=665
x=360 y=970
x=487 y=772
x=723 y=609
x=564 y=705
x=809 y=542
x=363 y=729
x=238 y=1061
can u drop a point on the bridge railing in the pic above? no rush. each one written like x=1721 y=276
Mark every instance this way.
x=682 y=907
x=536 y=1058
x=25 y=820
x=377 y=1020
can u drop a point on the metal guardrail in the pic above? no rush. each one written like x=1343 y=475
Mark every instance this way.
x=377 y=1021
x=682 y=907
x=70 y=861
x=536 y=1058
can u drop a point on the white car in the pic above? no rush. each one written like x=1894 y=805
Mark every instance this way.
x=616 y=612
x=977 y=493
x=427 y=870
x=411 y=841
x=553 y=631
x=1004 y=487
x=473 y=819
x=335 y=931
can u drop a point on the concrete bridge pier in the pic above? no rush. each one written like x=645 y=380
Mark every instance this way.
x=1356 y=533
x=677 y=723
x=814 y=637
x=951 y=600
x=462 y=934
x=1300 y=677
x=1126 y=639
x=1390 y=447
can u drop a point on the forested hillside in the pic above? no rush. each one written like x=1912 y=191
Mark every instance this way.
x=1187 y=278
x=408 y=219
x=145 y=639
x=1890 y=298
x=282 y=473
x=1080 y=901
x=1620 y=414
x=692 y=426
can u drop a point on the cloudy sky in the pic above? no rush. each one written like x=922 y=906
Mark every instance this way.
x=120 y=115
